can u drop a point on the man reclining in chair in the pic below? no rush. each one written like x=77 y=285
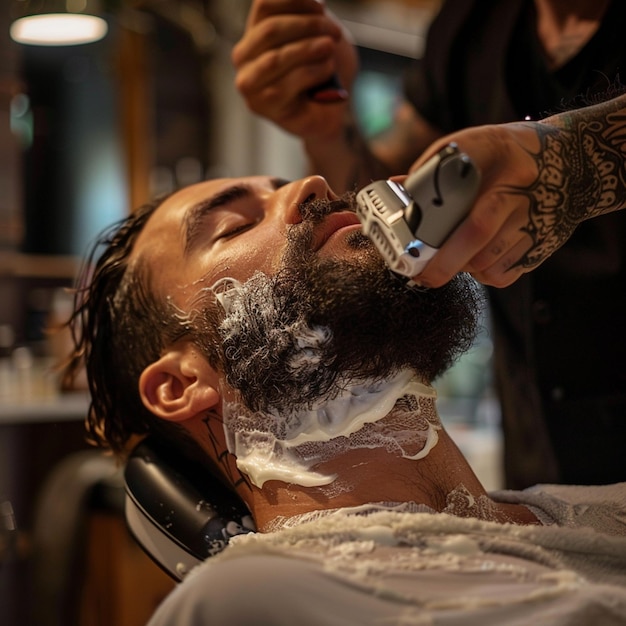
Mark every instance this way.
x=250 y=324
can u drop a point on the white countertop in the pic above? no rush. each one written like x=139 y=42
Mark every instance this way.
x=31 y=395
x=62 y=407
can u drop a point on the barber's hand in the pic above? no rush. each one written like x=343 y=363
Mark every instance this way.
x=289 y=47
x=524 y=210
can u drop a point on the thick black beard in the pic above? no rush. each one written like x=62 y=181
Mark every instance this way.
x=377 y=325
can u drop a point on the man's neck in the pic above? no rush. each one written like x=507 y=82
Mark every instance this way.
x=565 y=26
x=442 y=481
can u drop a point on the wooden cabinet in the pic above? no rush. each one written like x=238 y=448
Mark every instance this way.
x=122 y=585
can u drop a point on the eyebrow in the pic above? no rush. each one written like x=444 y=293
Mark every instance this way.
x=193 y=221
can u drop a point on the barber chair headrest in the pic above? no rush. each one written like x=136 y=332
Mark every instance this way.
x=178 y=512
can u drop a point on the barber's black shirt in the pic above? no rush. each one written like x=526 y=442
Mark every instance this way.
x=559 y=331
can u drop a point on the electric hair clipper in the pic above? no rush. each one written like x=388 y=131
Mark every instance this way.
x=408 y=223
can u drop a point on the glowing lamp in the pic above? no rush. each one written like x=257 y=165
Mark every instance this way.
x=57 y=22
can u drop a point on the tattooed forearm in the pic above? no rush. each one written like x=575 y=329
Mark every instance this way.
x=594 y=149
x=581 y=173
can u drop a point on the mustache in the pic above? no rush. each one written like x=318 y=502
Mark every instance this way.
x=314 y=210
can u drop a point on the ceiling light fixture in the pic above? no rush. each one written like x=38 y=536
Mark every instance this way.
x=57 y=23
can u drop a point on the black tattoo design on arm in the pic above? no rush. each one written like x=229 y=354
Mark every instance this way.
x=581 y=173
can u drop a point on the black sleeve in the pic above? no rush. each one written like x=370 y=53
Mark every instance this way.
x=426 y=80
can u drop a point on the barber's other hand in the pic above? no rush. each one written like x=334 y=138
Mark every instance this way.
x=524 y=211
x=289 y=47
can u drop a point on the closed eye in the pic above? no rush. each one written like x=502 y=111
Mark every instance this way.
x=194 y=222
x=233 y=232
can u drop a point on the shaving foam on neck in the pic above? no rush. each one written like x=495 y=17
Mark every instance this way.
x=322 y=432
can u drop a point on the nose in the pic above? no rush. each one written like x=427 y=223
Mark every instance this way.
x=305 y=190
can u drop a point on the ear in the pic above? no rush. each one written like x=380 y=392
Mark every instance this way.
x=180 y=385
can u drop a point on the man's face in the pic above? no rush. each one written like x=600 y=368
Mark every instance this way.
x=232 y=228
x=323 y=271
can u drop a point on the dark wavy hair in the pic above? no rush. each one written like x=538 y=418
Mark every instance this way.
x=119 y=326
